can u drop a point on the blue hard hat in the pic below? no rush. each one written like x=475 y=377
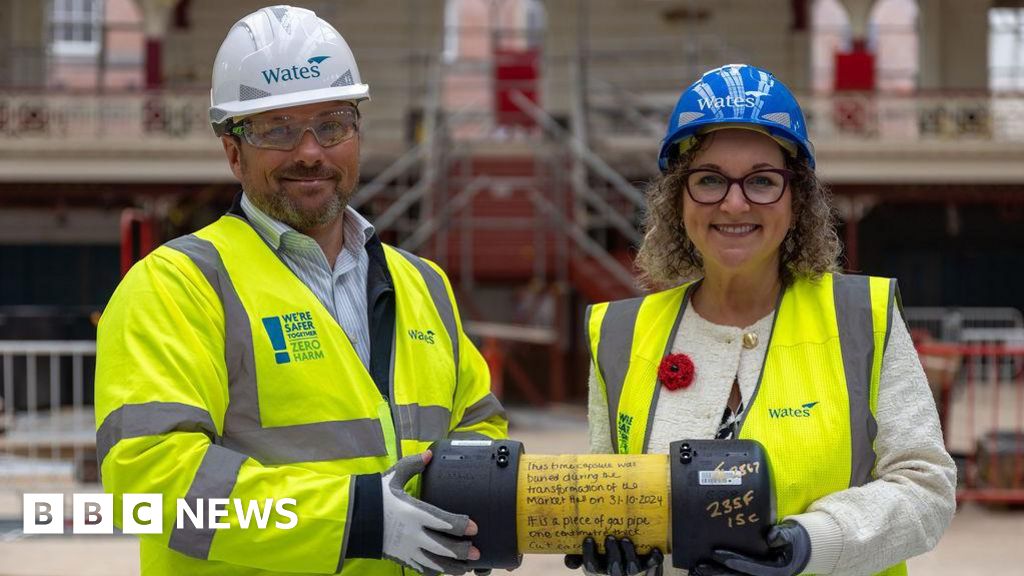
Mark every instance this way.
x=742 y=95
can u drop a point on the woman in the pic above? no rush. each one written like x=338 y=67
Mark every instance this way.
x=815 y=365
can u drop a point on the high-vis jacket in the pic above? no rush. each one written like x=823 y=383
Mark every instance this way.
x=221 y=375
x=814 y=406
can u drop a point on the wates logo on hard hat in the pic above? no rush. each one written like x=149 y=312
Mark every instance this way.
x=279 y=74
x=748 y=100
x=802 y=411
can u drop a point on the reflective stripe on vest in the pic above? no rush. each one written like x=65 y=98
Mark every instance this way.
x=418 y=426
x=854 y=304
x=813 y=407
x=614 y=336
x=439 y=293
x=215 y=479
x=244 y=409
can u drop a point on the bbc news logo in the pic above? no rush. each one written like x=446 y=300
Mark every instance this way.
x=143 y=513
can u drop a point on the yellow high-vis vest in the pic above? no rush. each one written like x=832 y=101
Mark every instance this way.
x=221 y=375
x=814 y=405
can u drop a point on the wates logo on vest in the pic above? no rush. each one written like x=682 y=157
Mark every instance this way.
x=293 y=337
x=802 y=411
x=279 y=74
x=422 y=336
x=622 y=426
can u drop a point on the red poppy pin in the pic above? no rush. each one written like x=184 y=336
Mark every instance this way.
x=676 y=371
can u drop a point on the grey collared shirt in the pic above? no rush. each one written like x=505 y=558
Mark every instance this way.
x=342 y=290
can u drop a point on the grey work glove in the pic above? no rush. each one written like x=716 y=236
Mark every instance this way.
x=418 y=535
x=620 y=559
x=790 y=551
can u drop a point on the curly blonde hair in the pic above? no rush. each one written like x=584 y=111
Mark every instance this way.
x=668 y=257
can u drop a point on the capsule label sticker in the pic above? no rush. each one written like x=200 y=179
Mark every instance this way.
x=471 y=442
x=720 y=478
x=562 y=499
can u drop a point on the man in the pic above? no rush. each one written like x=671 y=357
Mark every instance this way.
x=283 y=351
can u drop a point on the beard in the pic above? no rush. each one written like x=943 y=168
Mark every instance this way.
x=284 y=208
x=281 y=206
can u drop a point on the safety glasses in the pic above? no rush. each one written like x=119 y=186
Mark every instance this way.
x=283 y=132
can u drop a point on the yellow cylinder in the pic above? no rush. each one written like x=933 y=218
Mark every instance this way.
x=563 y=499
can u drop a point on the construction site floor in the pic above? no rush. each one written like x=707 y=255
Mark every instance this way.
x=981 y=540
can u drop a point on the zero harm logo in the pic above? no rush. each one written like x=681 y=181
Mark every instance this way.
x=293 y=337
x=284 y=74
x=802 y=411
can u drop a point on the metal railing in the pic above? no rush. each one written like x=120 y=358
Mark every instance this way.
x=979 y=393
x=967 y=325
x=47 y=414
x=404 y=196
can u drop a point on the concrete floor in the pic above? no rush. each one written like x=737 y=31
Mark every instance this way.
x=980 y=541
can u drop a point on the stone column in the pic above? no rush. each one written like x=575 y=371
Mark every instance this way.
x=23 y=48
x=156 y=16
x=953 y=44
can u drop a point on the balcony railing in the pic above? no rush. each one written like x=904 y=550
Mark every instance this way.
x=164 y=136
x=165 y=119
x=919 y=118
x=153 y=136
x=173 y=117
x=74 y=117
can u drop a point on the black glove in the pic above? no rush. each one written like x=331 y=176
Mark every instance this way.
x=790 y=550
x=710 y=569
x=620 y=559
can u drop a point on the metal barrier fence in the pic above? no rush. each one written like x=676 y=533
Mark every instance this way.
x=967 y=325
x=47 y=415
x=979 y=393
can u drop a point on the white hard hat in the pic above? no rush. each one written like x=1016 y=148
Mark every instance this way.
x=278 y=57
